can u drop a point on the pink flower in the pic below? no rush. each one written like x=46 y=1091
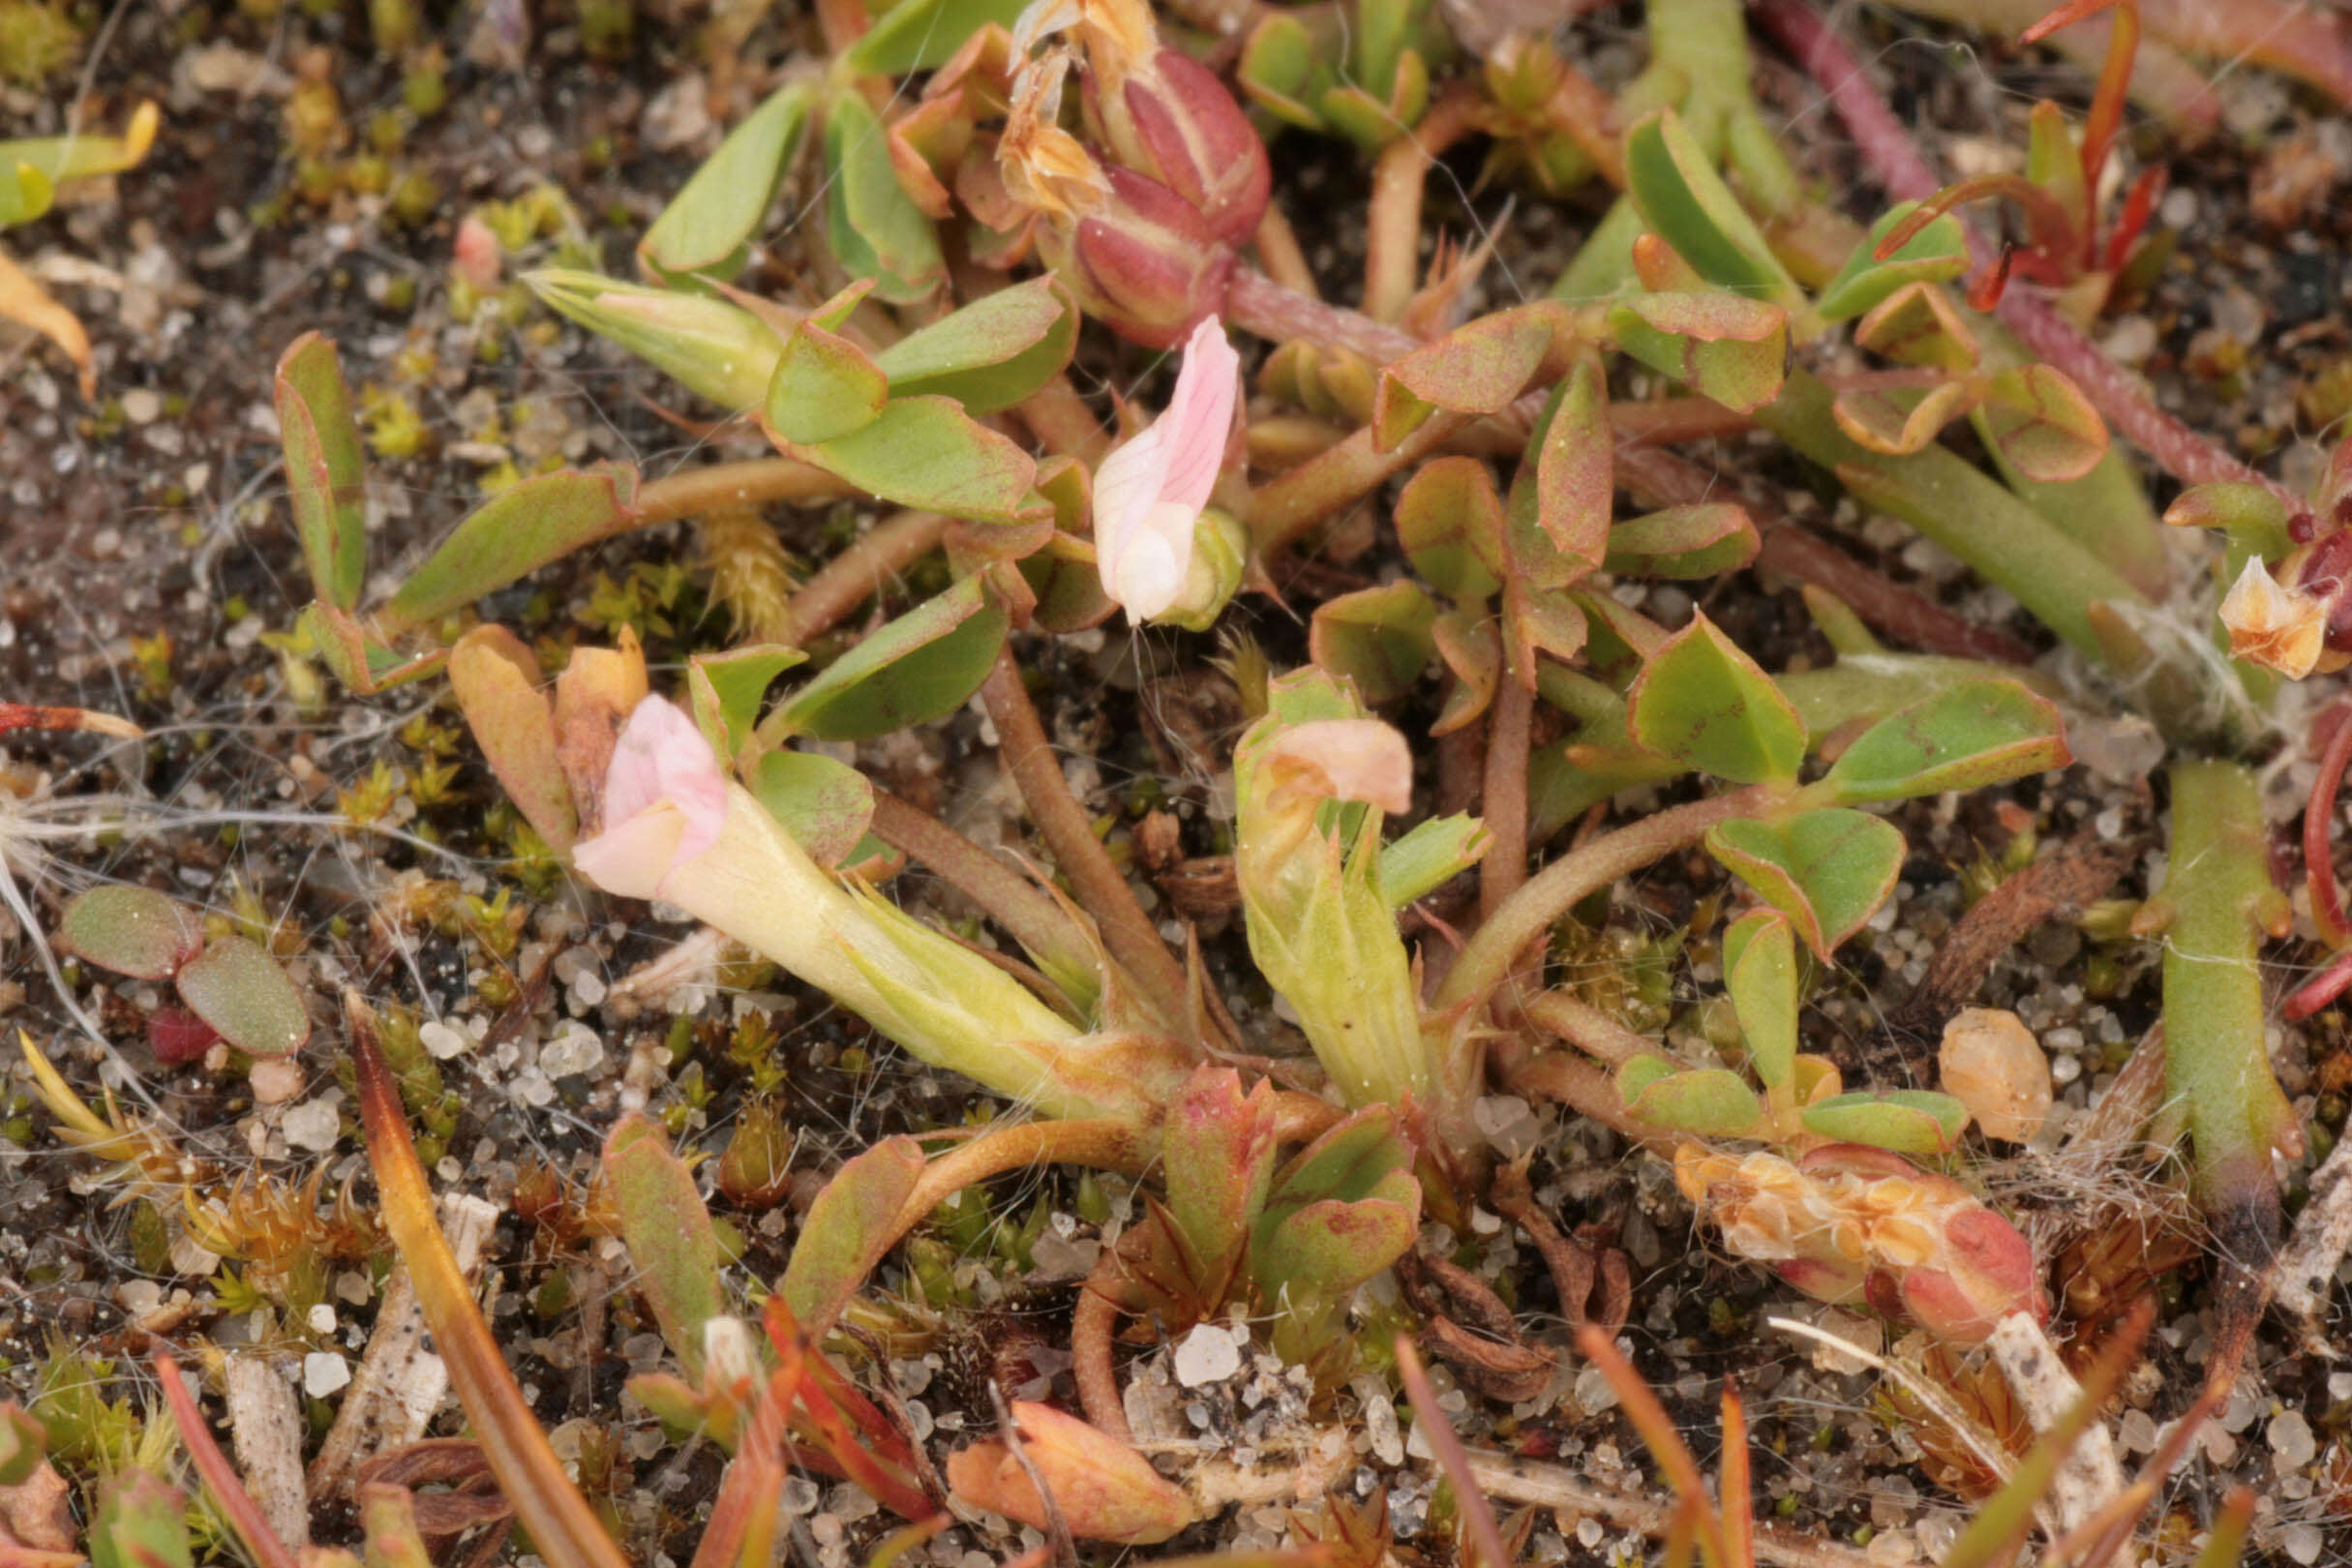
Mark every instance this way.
x=665 y=802
x=1149 y=492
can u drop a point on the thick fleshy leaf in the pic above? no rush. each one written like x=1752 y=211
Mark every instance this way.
x=1900 y=422
x=2044 y=424
x=1279 y=70
x=726 y=691
x=1477 y=369
x=1576 y=467
x=326 y=470
x=1378 y=638
x=708 y=226
x=1708 y=1103
x=826 y=806
x=1917 y=324
x=1450 y=520
x=1759 y=970
x=239 y=989
x=1979 y=732
x=923 y=666
x=919 y=35
x=668 y=1235
x=824 y=389
x=849 y=1229
x=1435 y=852
x=873 y=226
x=2255 y=516
x=1725 y=347
x=1342 y=1209
x=1937 y=254
x=1685 y=202
x=1704 y=702
x=1683 y=542
x=1903 y=1121
x=1064 y=575
x=928 y=453
x=1827 y=870
x=992 y=353
x=500 y=689
x=134 y=931
x=518 y=530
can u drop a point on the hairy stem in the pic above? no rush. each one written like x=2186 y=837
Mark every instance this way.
x=859 y=571
x=1277 y=245
x=1504 y=794
x=1093 y=1324
x=1392 y=238
x=690 y=492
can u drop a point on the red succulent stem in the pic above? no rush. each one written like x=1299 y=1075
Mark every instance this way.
x=2318 y=817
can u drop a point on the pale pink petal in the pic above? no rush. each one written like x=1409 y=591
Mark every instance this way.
x=1199 y=416
x=1347 y=760
x=1150 y=572
x=635 y=856
x=662 y=755
x=1127 y=486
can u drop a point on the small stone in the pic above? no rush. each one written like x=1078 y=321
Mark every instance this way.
x=1207 y=1355
x=575 y=1053
x=2291 y=1441
x=442 y=1041
x=1992 y=1064
x=275 y=1080
x=323 y=1372
x=321 y=1318
x=313 y=1125
x=2300 y=1543
x=142 y=406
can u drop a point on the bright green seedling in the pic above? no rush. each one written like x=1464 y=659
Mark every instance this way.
x=1360 y=69
x=237 y=990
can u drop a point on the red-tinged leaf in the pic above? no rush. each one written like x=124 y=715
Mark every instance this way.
x=128 y=930
x=872 y=227
x=1450 y=520
x=1068 y=585
x=826 y=806
x=1703 y=702
x=1937 y=254
x=1917 y=324
x=562 y=1527
x=1900 y=422
x=142 y=1521
x=1217 y=1156
x=1477 y=369
x=1575 y=469
x=1101 y=1488
x=824 y=387
x=326 y=470
x=1471 y=647
x=1537 y=621
x=668 y=1233
x=1685 y=202
x=240 y=990
x=497 y=684
x=1684 y=542
x=1377 y=638
x=1725 y=347
x=518 y=530
x=850 y=1226
x=992 y=353
x=178 y=1037
x=2044 y=424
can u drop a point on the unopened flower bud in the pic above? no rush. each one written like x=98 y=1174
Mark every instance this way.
x=720 y=351
x=1174 y=121
x=754 y=1171
x=1221 y=549
x=1143 y=261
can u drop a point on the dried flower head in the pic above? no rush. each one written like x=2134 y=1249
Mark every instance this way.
x=2280 y=628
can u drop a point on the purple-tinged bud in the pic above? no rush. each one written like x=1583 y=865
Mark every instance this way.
x=1175 y=121
x=1142 y=262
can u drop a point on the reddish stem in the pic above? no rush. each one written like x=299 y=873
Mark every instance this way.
x=2318 y=818
x=1106 y=1293
x=1392 y=240
x=1505 y=791
x=229 y=1494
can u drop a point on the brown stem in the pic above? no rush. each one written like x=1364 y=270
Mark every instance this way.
x=2318 y=823
x=1059 y=417
x=1504 y=793
x=1105 y=1142
x=1101 y=891
x=1587 y=1028
x=1278 y=253
x=1392 y=240
x=691 y=491
x=1670 y=421
x=1528 y=914
x=859 y=572
x=1093 y=1324
x=1584 y=1087
x=1337 y=478
x=1662 y=479
x=1257 y=304
x=1036 y=922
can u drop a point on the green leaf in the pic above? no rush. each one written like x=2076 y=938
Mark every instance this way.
x=1683 y=542
x=26 y=192
x=24 y=1444
x=327 y=470
x=1900 y=422
x=920 y=35
x=1470 y=642
x=1279 y=70
x=518 y=530
x=824 y=387
x=726 y=691
x=134 y=931
x=1759 y=970
x=826 y=806
x=497 y=686
x=1730 y=348
x=1342 y=1209
x=2255 y=516
x=1431 y=855
x=708 y=226
x=1827 y=870
x=1904 y=1121
x=1686 y=204
x=1217 y=1164
x=873 y=227
x=1704 y=702
x=1479 y=368
x=142 y=1521
x=992 y=353
x=1450 y=520
x=668 y=1235
x=2044 y=424
x=921 y=666
x=359 y=659
x=1937 y=254
x=710 y=348
x=1378 y=638
x=1968 y=735
x=1576 y=467
x=850 y=1227
x=1708 y=1103
x=239 y=989
x=926 y=453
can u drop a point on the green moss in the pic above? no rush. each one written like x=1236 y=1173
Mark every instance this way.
x=39 y=40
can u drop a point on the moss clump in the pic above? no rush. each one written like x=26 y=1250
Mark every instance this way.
x=38 y=40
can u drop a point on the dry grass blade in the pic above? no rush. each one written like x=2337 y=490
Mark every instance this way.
x=1657 y=1430
x=562 y=1525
